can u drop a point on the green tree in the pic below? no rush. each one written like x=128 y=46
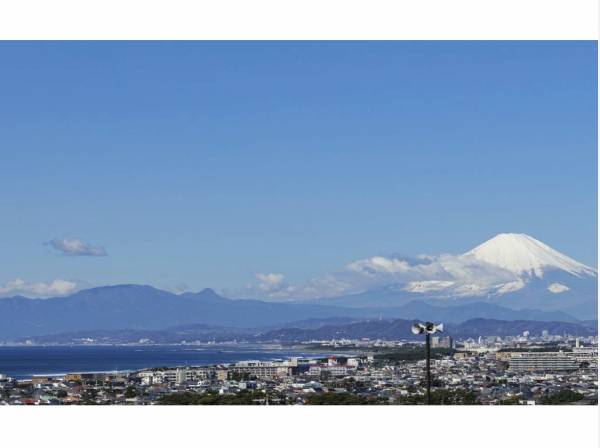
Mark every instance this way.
x=331 y=398
x=61 y=394
x=509 y=401
x=563 y=397
x=130 y=392
x=241 y=398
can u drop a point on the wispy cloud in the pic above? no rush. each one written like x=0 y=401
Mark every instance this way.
x=76 y=248
x=57 y=287
x=178 y=288
x=463 y=274
x=270 y=282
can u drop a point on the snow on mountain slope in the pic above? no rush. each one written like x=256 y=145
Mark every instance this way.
x=505 y=264
x=526 y=256
x=542 y=278
x=510 y=269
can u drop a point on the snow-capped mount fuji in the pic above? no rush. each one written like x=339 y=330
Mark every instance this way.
x=523 y=255
x=504 y=264
x=512 y=270
x=545 y=278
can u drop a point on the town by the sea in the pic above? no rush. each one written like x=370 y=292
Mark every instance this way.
x=27 y=361
x=494 y=370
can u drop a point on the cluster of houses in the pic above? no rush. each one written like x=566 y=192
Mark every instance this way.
x=494 y=371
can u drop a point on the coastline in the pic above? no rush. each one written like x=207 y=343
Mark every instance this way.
x=86 y=358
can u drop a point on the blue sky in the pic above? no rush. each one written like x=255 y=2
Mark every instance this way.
x=201 y=164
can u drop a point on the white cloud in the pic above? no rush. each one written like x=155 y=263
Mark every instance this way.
x=511 y=287
x=374 y=265
x=270 y=282
x=428 y=286
x=57 y=287
x=178 y=288
x=451 y=275
x=76 y=247
x=557 y=288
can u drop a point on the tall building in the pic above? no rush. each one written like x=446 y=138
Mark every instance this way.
x=545 y=334
x=441 y=342
x=180 y=376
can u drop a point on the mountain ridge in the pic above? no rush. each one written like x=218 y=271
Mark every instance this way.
x=520 y=253
x=146 y=308
x=510 y=276
x=324 y=329
x=394 y=329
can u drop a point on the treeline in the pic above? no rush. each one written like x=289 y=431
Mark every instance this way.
x=213 y=398
x=410 y=353
x=565 y=396
x=438 y=397
x=546 y=348
x=344 y=398
x=443 y=397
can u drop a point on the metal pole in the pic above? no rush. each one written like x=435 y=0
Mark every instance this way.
x=427 y=348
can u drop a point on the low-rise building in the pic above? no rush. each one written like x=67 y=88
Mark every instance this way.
x=542 y=362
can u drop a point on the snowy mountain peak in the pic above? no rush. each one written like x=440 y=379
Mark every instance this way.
x=523 y=254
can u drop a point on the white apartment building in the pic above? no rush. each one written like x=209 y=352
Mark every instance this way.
x=542 y=362
x=261 y=369
x=585 y=354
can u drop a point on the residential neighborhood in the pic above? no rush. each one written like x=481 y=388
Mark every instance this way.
x=519 y=370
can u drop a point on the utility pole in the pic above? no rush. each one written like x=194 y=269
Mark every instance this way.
x=428 y=349
x=427 y=328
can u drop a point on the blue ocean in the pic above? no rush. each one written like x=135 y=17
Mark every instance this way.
x=25 y=361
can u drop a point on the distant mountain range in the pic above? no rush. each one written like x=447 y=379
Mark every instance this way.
x=401 y=329
x=146 y=308
x=511 y=277
x=315 y=329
